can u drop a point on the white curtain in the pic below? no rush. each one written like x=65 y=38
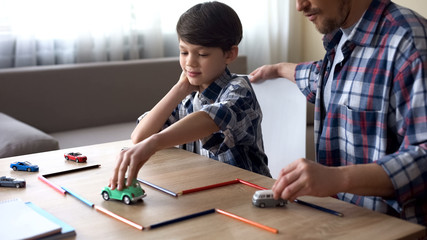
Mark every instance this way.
x=47 y=32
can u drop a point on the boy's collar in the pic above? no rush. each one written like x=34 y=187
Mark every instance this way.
x=215 y=88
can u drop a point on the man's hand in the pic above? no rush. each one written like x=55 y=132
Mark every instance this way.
x=263 y=73
x=284 y=70
x=305 y=177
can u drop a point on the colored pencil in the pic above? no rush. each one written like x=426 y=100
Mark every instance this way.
x=90 y=204
x=122 y=219
x=157 y=187
x=52 y=185
x=180 y=219
x=251 y=184
x=208 y=187
x=319 y=208
x=71 y=170
x=270 y=229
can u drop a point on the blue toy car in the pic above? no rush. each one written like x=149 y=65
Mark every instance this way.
x=24 y=166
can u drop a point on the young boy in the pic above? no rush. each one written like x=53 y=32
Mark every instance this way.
x=208 y=111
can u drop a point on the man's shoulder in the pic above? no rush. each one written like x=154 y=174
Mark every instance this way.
x=406 y=19
x=388 y=25
x=407 y=25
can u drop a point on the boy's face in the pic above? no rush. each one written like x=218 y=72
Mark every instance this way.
x=202 y=65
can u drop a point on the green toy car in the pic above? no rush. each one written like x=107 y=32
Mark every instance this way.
x=128 y=195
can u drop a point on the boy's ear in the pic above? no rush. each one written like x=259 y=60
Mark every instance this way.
x=232 y=54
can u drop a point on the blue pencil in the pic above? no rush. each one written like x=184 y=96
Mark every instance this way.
x=319 y=208
x=194 y=215
x=157 y=187
x=78 y=197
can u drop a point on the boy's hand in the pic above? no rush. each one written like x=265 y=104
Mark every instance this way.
x=131 y=160
x=185 y=85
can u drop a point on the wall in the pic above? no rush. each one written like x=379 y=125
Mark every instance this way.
x=312 y=46
x=283 y=123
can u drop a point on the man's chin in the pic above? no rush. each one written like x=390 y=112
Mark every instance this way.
x=323 y=29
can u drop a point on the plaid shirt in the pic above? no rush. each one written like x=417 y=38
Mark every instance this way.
x=378 y=106
x=231 y=102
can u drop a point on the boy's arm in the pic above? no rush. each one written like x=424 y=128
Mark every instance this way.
x=156 y=118
x=194 y=126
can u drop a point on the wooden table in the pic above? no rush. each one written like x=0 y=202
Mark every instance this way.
x=178 y=170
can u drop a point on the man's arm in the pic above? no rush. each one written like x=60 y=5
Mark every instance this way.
x=305 y=177
x=284 y=69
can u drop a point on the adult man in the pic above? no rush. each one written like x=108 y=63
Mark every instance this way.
x=370 y=95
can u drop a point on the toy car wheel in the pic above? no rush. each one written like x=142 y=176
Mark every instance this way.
x=126 y=200
x=17 y=185
x=262 y=205
x=105 y=196
x=66 y=158
x=14 y=168
x=28 y=169
x=281 y=204
x=77 y=160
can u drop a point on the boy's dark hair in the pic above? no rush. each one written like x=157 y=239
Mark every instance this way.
x=210 y=24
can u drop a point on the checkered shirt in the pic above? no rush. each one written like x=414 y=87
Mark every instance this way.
x=231 y=102
x=378 y=107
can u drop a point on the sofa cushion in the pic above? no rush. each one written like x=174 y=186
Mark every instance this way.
x=18 y=138
x=94 y=135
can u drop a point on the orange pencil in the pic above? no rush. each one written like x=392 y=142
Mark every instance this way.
x=273 y=230
x=251 y=184
x=52 y=185
x=122 y=219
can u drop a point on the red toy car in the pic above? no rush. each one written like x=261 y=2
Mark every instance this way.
x=75 y=156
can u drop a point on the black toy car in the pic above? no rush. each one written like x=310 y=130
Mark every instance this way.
x=12 y=182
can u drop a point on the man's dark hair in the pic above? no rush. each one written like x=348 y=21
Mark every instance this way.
x=210 y=24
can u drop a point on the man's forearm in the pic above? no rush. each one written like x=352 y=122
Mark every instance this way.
x=287 y=70
x=366 y=180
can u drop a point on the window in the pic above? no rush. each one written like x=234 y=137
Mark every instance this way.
x=46 y=32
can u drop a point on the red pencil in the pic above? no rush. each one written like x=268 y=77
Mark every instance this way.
x=208 y=187
x=270 y=229
x=52 y=185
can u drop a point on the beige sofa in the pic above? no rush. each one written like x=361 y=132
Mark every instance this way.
x=63 y=106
